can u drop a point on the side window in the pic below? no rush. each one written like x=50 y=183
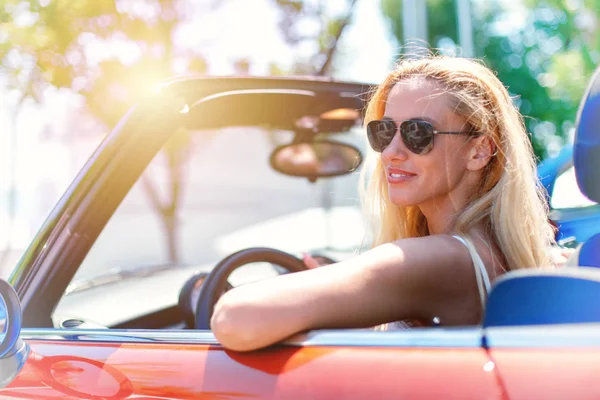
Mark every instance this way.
x=566 y=193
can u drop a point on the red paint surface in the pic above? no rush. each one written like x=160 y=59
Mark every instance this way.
x=550 y=373
x=59 y=370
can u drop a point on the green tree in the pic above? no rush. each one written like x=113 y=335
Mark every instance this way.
x=544 y=53
x=50 y=44
x=112 y=51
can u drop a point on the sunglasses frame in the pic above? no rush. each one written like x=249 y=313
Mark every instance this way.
x=374 y=140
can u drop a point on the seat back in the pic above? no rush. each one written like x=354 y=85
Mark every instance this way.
x=586 y=157
x=586 y=153
x=526 y=297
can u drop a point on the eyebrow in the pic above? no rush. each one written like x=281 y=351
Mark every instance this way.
x=427 y=119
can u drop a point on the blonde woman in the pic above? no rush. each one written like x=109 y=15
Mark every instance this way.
x=454 y=204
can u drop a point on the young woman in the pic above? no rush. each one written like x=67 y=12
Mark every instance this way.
x=454 y=204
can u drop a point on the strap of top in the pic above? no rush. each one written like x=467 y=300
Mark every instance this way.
x=483 y=279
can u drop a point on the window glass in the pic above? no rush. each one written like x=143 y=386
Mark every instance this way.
x=566 y=193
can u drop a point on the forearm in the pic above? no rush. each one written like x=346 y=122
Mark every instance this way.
x=348 y=294
x=259 y=314
x=266 y=312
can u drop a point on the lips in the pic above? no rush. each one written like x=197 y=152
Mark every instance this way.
x=397 y=175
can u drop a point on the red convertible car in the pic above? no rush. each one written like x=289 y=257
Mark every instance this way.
x=113 y=298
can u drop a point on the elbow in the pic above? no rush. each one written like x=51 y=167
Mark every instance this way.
x=234 y=327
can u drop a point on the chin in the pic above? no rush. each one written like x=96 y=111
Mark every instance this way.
x=402 y=203
x=404 y=199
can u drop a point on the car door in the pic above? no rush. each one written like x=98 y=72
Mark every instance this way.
x=547 y=362
x=419 y=364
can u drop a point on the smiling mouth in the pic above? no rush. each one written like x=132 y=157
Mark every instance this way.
x=399 y=177
x=392 y=175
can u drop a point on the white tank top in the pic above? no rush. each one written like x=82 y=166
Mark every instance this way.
x=481 y=274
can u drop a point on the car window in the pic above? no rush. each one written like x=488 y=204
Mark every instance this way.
x=566 y=193
x=206 y=195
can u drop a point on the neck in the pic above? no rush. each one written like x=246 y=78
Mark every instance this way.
x=440 y=216
x=441 y=212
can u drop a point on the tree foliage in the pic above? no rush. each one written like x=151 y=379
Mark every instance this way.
x=112 y=52
x=544 y=53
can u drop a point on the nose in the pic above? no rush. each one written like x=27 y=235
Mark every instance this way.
x=396 y=150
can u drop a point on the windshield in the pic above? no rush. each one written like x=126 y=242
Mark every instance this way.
x=208 y=194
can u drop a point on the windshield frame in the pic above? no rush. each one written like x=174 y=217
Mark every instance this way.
x=50 y=262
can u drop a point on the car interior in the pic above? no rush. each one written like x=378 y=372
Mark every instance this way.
x=289 y=123
x=302 y=151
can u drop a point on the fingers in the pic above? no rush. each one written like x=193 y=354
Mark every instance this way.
x=560 y=256
x=568 y=252
x=310 y=262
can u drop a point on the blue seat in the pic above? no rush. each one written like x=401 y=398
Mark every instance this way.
x=526 y=297
x=586 y=156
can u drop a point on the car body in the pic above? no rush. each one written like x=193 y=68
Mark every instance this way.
x=122 y=335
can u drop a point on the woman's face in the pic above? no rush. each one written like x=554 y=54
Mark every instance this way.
x=415 y=179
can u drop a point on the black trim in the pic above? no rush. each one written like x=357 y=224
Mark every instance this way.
x=160 y=319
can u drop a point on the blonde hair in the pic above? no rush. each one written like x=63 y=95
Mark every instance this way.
x=509 y=201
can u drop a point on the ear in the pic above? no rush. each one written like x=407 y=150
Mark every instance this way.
x=481 y=152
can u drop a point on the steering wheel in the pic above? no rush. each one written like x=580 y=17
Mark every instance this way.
x=216 y=282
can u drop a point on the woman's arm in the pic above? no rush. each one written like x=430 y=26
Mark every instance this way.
x=413 y=278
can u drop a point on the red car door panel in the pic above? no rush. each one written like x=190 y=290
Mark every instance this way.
x=559 y=373
x=547 y=362
x=76 y=369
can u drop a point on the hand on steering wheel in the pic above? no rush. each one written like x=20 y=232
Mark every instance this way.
x=316 y=260
x=216 y=282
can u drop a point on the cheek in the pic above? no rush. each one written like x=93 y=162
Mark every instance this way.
x=443 y=170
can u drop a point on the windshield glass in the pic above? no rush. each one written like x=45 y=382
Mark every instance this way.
x=208 y=194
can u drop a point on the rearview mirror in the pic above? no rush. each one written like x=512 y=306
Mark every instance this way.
x=13 y=351
x=316 y=159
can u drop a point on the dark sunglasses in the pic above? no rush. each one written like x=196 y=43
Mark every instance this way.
x=417 y=135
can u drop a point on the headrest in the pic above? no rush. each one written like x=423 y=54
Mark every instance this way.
x=544 y=297
x=586 y=153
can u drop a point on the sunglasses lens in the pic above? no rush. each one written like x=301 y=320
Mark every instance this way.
x=380 y=134
x=417 y=136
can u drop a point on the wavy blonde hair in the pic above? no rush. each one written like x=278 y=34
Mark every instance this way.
x=509 y=201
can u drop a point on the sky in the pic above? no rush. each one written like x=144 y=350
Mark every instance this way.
x=258 y=38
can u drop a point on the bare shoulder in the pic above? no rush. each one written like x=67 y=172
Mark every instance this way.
x=440 y=252
x=431 y=253
x=443 y=248
x=435 y=274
